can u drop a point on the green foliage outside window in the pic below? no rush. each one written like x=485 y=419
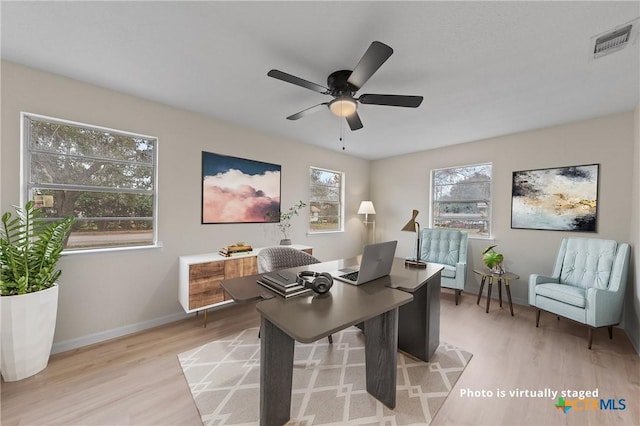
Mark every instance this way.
x=104 y=178
x=325 y=206
x=462 y=199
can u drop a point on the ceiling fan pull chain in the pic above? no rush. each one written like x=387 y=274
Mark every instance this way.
x=342 y=133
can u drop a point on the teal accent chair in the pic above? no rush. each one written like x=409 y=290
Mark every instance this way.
x=587 y=284
x=448 y=248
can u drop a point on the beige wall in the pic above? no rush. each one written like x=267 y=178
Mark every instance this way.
x=401 y=183
x=632 y=307
x=106 y=294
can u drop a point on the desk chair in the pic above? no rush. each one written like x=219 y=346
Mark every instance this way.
x=281 y=257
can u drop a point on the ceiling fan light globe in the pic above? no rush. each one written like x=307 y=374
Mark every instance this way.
x=343 y=107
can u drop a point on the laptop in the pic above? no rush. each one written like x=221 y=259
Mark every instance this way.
x=376 y=262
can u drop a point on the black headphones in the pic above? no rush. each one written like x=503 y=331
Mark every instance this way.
x=321 y=282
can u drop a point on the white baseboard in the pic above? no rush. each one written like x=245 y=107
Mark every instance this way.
x=90 y=339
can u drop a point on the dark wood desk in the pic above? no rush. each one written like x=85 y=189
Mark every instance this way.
x=308 y=318
x=419 y=321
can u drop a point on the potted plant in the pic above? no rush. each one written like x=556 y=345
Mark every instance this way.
x=285 y=221
x=493 y=260
x=30 y=248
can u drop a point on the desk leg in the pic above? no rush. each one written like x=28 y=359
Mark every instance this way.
x=276 y=374
x=500 y=291
x=506 y=285
x=484 y=278
x=381 y=351
x=489 y=293
x=419 y=321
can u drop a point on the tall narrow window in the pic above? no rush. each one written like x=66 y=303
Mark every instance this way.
x=105 y=178
x=326 y=209
x=461 y=199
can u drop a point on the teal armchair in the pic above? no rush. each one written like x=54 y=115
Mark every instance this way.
x=587 y=284
x=448 y=248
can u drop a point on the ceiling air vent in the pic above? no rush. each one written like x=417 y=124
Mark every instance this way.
x=614 y=40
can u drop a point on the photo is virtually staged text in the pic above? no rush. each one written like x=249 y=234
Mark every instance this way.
x=529 y=393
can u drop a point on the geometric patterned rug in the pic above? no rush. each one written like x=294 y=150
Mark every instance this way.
x=328 y=382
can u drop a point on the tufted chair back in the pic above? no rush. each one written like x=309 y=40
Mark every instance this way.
x=445 y=246
x=586 y=262
x=282 y=257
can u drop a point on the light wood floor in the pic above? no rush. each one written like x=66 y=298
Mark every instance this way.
x=137 y=380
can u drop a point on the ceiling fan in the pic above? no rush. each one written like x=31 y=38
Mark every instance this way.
x=344 y=84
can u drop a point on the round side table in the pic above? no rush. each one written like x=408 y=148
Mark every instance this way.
x=486 y=273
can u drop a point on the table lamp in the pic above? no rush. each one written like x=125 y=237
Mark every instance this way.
x=366 y=208
x=413 y=226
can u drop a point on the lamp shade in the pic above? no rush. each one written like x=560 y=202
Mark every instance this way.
x=414 y=226
x=366 y=207
x=411 y=225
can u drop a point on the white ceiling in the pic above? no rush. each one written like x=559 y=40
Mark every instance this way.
x=484 y=68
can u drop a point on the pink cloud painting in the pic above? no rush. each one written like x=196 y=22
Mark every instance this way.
x=236 y=190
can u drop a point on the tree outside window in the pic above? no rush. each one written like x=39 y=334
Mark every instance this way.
x=326 y=200
x=461 y=199
x=103 y=177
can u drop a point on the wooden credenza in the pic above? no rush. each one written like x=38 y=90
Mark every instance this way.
x=201 y=274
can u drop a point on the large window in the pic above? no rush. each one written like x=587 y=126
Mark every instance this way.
x=105 y=178
x=326 y=210
x=461 y=199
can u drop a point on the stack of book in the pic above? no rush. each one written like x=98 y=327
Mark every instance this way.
x=283 y=283
x=236 y=250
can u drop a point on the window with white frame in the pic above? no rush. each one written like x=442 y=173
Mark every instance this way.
x=461 y=199
x=105 y=178
x=326 y=201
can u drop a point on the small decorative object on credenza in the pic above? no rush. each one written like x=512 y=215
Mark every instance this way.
x=493 y=260
x=284 y=220
x=236 y=250
x=413 y=226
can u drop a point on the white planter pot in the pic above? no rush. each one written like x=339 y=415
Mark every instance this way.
x=28 y=322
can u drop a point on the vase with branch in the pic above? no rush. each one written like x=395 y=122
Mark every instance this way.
x=284 y=224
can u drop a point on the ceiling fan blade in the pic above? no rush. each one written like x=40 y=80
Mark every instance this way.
x=354 y=121
x=305 y=112
x=297 y=81
x=373 y=58
x=391 y=100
